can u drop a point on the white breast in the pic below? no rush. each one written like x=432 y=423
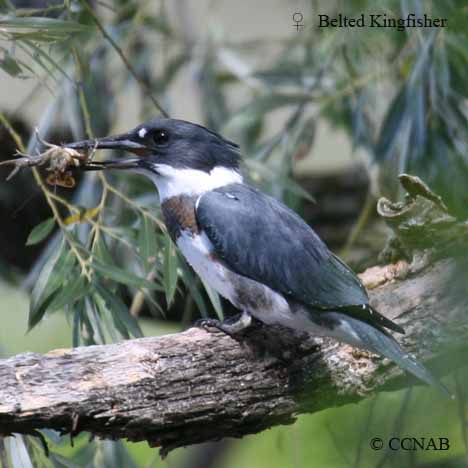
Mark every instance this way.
x=197 y=250
x=244 y=293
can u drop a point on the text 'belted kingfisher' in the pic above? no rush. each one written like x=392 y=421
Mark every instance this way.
x=248 y=246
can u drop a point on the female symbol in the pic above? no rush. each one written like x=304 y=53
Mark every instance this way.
x=297 y=18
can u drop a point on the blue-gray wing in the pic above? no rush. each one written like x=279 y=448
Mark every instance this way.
x=259 y=237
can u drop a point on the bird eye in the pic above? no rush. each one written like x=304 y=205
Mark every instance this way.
x=160 y=137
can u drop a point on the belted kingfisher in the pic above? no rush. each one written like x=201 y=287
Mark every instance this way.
x=248 y=246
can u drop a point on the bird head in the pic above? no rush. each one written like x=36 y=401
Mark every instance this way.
x=179 y=157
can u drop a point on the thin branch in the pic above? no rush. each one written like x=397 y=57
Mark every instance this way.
x=24 y=12
x=127 y=63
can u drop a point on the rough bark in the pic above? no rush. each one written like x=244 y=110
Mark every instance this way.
x=197 y=386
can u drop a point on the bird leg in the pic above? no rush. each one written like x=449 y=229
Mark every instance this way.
x=231 y=326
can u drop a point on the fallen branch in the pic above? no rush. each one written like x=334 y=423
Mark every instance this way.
x=197 y=386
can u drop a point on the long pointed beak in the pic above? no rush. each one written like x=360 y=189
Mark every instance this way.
x=116 y=142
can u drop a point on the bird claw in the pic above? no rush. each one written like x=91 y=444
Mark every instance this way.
x=207 y=323
x=231 y=326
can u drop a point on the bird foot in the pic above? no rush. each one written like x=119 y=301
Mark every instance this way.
x=230 y=327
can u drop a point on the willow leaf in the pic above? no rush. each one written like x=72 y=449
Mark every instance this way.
x=41 y=231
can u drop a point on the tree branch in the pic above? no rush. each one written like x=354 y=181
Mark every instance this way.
x=197 y=386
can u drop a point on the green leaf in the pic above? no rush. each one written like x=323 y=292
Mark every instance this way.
x=259 y=107
x=93 y=323
x=269 y=102
x=39 y=312
x=282 y=74
x=50 y=279
x=45 y=278
x=44 y=24
x=293 y=187
x=391 y=126
x=155 y=308
x=170 y=270
x=115 y=330
x=212 y=94
x=9 y=64
x=148 y=242
x=123 y=276
x=38 y=53
x=215 y=301
x=41 y=231
x=305 y=136
x=190 y=282
x=157 y=23
x=69 y=293
x=77 y=310
x=119 y=312
x=103 y=253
